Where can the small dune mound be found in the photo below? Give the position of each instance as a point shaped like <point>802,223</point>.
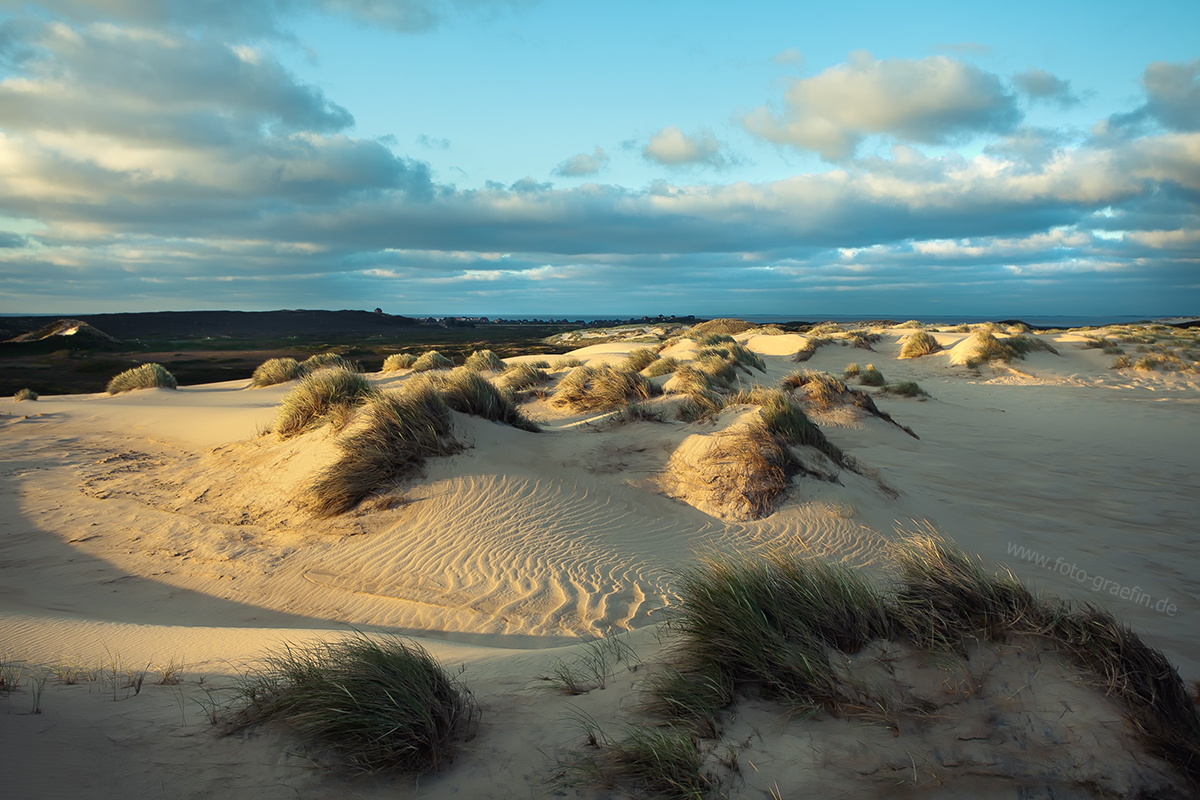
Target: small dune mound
<point>823,392</point>
<point>919,344</point>
<point>147,376</point>
<point>724,325</point>
<point>79,329</point>
<point>982,346</point>
<point>377,702</point>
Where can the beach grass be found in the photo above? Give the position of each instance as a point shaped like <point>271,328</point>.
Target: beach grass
<point>919,344</point>
<point>275,371</point>
<point>398,361</point>
<point>484,361</point>
<point>431,359</point>
<point>377,702</point>
<point>330,391</point>
<point>25,394</point>
<point>601,388</point>
<point>147,376</point>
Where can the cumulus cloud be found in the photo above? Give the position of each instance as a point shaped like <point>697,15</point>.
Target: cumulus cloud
<point>1037,84</point>
<point>931,100</point>
<point>583,164</point>
<point>673,148</point>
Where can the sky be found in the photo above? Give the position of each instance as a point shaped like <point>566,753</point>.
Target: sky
<point>568,158</point>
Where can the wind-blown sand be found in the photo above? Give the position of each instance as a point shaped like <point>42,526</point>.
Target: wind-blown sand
<point>158,526</point>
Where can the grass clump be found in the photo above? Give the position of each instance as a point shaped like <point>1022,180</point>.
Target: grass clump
<point>25,394</point>
<point>469,392</point>
<point>905,389</point>
<point>398,361</point>
<point>869,376</point>
<point>639,359</point>
<point>661,366</point>
<point>327,360</point>
<point>824,392</point>
<point>601,388</point>
<point>147,376</point>
<point>484,361</point>
<point>568,362</point>
<point>523,376</point>
<point>702,402</point>
<point>864,339</point>
<point>333,391</point>
<point>431,359</point>
<point>660,761</point>
<point>275,371</point>
<point>809,348</point>
<point>377,702</point>
<point>390,442</point>
<point>919,344</point>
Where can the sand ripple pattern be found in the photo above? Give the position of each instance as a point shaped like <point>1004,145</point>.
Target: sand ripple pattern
<point>531,556</point>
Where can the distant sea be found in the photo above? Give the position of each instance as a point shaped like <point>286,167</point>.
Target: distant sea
<point>1040,321</point>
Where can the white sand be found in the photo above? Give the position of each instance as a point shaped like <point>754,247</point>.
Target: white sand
<point>156,526</point>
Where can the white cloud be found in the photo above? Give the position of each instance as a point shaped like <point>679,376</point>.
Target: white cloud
<point>931,100</point>
<point>583,164</point>
<point>672,147</point>
<point>788,57</point>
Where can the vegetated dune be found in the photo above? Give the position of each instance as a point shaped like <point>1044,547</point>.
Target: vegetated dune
<point>160,533</point>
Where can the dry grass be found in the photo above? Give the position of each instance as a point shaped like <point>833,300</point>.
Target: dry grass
<point>469,392</point>
<point>824,392</point>
<point>147,376</point>
<point>809,348</point>
<point>326,360</point>
<point>905,389</point>
<point>327,392</point>
<point>919,344</point>
<point>566,363</point>
<point>661,366</point>
<point>398,361</point>
<point>869,376</point>
<point>25,394</point>
<point>639,359</point>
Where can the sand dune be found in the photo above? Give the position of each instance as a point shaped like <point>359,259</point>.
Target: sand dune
<point>159,525</point>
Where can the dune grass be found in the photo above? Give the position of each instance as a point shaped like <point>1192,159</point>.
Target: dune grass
<point>431,359</point>
<point>523,376</point>
<point>25,394</point>
<point>326,360</point>
<point>824,392</point>
<point>869,376</point>
<point>566,362</point>
<point>333,391</point>
<point>702,402</point>
<point>904,389</point>
<point>601,388</point>
<point>775,625</point>
<point>484,361</point>
<point>147,376</point>
<point>377,702</point>
<point>639,359</point>
<point>661,366</point>
<point>864,339</point>
<point>468,392</point>
<point>275,371</point>
<point>394,436</point>
<point>812,343</point>
<point>985,347</point>
<point>398,361</point>
<point>919,344</point>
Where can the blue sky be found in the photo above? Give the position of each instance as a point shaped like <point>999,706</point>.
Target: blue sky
<point>620,158</point>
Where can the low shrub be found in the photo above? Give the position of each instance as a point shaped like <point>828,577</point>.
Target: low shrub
<point>275,371</point>
<point>147,376</point>
<point>431,359</point>
<point>919,344</point>
<point>331,391</point>
<point>378,702</point>
<point>25,394</point>
<point>398,361</point>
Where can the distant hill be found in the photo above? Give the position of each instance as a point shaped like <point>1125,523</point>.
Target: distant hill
<point>78,329</point>
<point>244,324</point>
